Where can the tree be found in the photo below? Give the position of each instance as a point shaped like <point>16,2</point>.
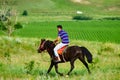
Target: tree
<point>8,18</point>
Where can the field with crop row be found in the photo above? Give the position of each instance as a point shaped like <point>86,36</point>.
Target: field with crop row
<point>91,30</point>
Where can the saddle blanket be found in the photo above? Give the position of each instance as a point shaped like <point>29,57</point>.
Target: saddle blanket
<point>60,51</point>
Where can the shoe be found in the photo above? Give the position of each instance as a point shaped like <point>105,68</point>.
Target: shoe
<point>57,59</point>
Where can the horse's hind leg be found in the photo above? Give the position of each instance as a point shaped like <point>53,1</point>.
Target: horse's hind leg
<point>72,66</point>
<point>84,62</point>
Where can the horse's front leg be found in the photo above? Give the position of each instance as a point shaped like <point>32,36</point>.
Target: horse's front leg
<point>50,67</point>
<point>56,69</point>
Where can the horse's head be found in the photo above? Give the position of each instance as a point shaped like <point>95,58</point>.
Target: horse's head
<point>46,45</point>
<point>42,46</point>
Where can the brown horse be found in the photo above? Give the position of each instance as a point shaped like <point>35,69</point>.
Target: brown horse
<point>70,54</point>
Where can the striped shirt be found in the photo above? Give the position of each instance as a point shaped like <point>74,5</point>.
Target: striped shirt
<point>64,36</point>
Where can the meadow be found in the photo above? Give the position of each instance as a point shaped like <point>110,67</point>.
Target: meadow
<point>67,7</point>
<point>19,60</point>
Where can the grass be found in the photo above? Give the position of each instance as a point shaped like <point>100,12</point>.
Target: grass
<point>60,10</point>
<point>23,51</point>
<point>57,8</point>
<point>91,30</point>
<point>102,7</point>
<point>19,59</point>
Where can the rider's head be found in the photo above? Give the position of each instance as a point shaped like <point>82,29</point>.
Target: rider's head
<point>59,27</point>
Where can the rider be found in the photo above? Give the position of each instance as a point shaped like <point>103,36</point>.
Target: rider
<point>64,41</point>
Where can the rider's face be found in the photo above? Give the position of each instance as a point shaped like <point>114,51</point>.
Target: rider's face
<point>59,29</point>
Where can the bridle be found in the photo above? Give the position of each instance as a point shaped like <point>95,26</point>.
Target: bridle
<point>42,45</point>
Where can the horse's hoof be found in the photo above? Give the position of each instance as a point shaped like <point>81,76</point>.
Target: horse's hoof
<point>89,72</point>
<point>61,74</point>
<point>67,76</point>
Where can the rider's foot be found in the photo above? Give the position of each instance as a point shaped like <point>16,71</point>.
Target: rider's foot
<point>57,59</point>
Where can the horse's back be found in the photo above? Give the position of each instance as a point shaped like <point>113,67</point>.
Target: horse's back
<point>71,51</point>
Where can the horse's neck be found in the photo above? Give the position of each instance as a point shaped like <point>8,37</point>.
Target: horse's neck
<point>51,53</point>
<point>50,49</point>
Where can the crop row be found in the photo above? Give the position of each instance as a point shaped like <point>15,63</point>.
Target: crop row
<point>78,30</point>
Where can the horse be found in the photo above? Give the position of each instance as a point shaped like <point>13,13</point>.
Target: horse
<point>70,54</point>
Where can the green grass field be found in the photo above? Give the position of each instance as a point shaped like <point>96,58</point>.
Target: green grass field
<point>66,8</point>
<point>17,55</point>
<point>19,59</point>
<point>92,30</point>
<point>88,7</point>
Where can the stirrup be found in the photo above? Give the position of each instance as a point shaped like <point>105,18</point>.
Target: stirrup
<point>57,59</point>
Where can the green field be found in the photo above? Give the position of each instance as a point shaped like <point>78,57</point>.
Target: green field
<point>92,30</point>
<point>55,9</point>
<point>50,7</point>
<point>17,55</point>
<point>19,59</point>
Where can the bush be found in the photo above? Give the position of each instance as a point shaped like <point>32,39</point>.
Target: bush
<point>18,26</point>
<point>2,26</point>
<point>25,13</point>
<point>7,56</point>
<point>3,18</point>
<point>112,18</point>
<point>82,17</point>
<point>29,67</point>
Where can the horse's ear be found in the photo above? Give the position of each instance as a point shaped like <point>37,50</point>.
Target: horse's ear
<point>42,40</point>
<point>48,40</point>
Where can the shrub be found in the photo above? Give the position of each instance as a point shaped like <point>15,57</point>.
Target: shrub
<point>25,13</point>
<point>82,17</point>
<point>7,56</point>
<point>29,67</point>
<point>7,22</point>
<point>112,18</point>
<point>2,26</point>
<point>3,18</point>
<point>8,28</point>
<point>18,25</point>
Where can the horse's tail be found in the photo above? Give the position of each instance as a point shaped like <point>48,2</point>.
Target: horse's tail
<point>87,54</point>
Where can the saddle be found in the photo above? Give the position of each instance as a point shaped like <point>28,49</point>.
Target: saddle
<point>61,50</point>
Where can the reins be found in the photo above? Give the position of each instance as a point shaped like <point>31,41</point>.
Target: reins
<point>43,44</point>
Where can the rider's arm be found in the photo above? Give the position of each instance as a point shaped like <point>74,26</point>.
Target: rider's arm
<point>57,39</point>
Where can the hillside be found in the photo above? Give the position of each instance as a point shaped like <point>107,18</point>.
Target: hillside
<point>88,7</point>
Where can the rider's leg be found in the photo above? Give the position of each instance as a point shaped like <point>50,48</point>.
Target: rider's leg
<point>57,58</point>
<point>60,45</point>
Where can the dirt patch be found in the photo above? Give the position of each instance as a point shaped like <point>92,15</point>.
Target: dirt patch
<point>81,1</point>
<point>78,1</point>
<point>112,8</point>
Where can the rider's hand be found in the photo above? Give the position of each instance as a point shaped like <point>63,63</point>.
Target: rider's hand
<point>55,41</point>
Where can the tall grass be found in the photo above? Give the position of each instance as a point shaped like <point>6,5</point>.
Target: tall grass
<point>23,57</point>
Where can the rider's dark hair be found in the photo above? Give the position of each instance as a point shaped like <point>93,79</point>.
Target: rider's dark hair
<point>59,26</point>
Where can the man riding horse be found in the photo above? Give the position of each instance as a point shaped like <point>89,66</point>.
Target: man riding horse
<point>64,42</point>
<point>71,53</point>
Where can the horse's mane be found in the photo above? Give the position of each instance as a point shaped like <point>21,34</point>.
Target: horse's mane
<point>49,44</point>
